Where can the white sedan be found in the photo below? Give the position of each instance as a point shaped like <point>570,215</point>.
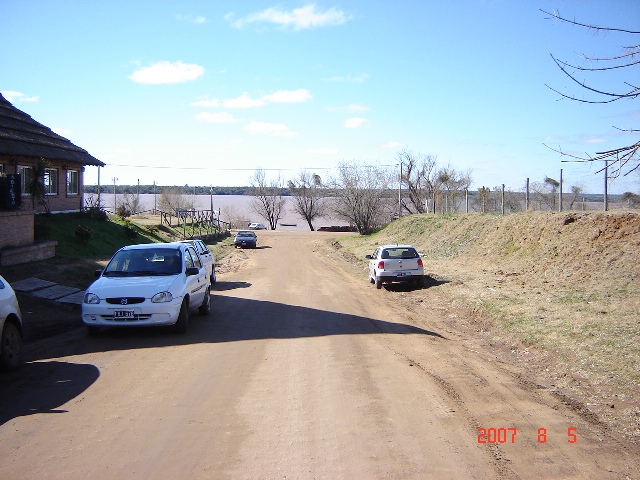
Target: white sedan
<point>395,263</point>
<point>148,285</point>
<point>10,328</point>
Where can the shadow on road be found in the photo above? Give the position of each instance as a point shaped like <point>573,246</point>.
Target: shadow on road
<point>42,387</point>
<point>223,286</point>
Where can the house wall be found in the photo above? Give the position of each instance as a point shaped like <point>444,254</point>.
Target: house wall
<point>59,201</point>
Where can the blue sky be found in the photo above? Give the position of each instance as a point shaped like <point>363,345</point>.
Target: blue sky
<point>204,92</point>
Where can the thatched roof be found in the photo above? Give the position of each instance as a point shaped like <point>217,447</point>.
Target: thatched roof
<point>22,135</point>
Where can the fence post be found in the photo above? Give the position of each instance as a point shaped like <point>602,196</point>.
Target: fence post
<point>526,196</point>
<point>502,208</point>
<point>560,193</point>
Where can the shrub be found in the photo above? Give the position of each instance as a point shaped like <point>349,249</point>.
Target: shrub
<point>84,233</point>
<point>129,231</point>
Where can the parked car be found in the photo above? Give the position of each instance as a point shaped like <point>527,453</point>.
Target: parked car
<point>206,256</point>
<point>245,238</point>
<point>257,226</point>
<point>395,263</point>
<point>10,328</point>
<point>148,285</point>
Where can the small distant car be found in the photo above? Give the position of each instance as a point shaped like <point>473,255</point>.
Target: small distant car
<point>395,263</point>
<point>148,285</point>
<point>10,328</point>
<point>257,226</point>
<point>245,239</point>
<point>206,256</point>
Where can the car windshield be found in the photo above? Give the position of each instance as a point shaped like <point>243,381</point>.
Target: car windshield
<point>400,252</point>
<point>245,234</point>
<point>144,263</point>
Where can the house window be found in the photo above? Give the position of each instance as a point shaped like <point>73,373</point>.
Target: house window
<point>50,181</point>
<point>26,176</point>
<point>73,182</point>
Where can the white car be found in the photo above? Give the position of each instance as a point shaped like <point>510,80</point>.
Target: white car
<point>257,226</point>
<point>206,256</point>
<point>148,285</point>
<point>395,263</point>
<point>10,328</point>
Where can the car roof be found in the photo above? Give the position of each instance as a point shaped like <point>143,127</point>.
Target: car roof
<point>398,246</point>
<point>146,246</point>
<point>246,232</point>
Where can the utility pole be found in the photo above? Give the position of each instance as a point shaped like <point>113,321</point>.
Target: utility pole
<point>400,193</point>
<point>114,194</point>
<point>560,193</point>
<point>606,185</point>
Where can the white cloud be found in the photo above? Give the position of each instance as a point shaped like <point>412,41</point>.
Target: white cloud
<point>246,101</point>
<point>243,101</point>
<point>391,145</point>
<point>356,122</point>
<point>288,96</point>
<point>218,117</point>
<point>13,96</point>
<point>594,140</point>
<point>296,19</point>
<point>164,72</point>
<point>349,78</point>
<point>61,131</point>
<point>273,129</point>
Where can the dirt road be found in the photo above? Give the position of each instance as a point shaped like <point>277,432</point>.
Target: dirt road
<point>301,371</point>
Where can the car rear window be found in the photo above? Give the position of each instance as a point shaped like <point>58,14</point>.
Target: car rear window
<point>400,253</point>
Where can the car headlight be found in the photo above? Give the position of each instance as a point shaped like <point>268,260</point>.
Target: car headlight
<point>91,298</point>
<point>162,297</point>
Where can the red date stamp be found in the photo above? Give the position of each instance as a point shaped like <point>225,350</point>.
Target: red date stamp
<point>508,435</point>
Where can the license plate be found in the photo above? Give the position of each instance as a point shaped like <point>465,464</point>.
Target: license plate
<point>123,314</point>
<point>400,274</point>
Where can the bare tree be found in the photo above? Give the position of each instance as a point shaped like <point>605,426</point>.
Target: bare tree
<point>361,196</point>
<point>452,183</point>
<point>268,199</point>
<point>172,199</point>
<point>545,192</point>
<point>308,197</point>
<point>627,157</point>
<point>576,191</point>
<point>418,174</point>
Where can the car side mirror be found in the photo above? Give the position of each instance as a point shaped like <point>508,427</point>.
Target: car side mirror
<point>369,257</point>
<point>192,271</point>
<point>97,273</point>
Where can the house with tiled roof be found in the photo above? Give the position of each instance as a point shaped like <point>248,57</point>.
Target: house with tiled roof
<point>27,146</point>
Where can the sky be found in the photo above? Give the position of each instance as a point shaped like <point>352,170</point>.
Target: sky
<point>206,92</point>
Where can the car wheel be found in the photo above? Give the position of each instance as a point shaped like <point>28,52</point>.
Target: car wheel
<point>183,318</point>
<point>378,283</point>
<point>11,356</point>
<point>205,308</point>
<point>93,330</point>
<point>371,280</point>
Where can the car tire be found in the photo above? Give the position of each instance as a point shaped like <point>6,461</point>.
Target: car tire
<point>93,330</point>
<point>183,318</point>
<point>205,308</point>
<point>378,283</point>
<point>11,356</point>
<point>371,280</point>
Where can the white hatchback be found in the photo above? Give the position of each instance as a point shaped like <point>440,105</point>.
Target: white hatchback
<point>148,285</point>
<point>10,328</point>
<point>395,263</point>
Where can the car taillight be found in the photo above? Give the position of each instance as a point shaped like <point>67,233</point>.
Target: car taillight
<point>420,262</point>
<point>381,265</point>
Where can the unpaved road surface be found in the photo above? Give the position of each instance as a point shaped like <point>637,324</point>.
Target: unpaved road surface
<point>302,371</point>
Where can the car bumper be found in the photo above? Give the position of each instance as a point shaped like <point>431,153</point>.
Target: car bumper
<point>405,276</point>
<point>245,244</point>
<point>143,314</point>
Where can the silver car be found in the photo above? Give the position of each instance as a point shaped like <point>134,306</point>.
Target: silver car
<point>395,263</point>
<point>10,328</point>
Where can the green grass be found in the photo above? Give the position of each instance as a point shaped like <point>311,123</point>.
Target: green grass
<point>108,235</point>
